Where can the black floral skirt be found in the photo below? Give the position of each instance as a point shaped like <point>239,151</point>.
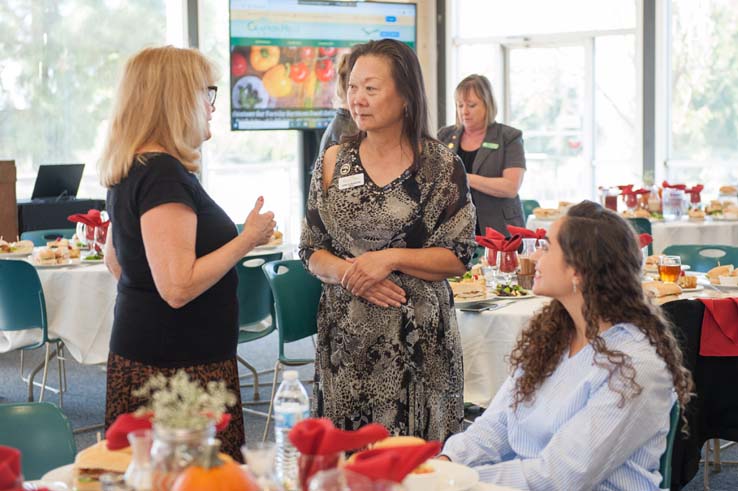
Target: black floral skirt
<point>124,376</point>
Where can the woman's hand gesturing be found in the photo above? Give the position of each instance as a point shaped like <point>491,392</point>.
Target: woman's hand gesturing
<point>258,226</point>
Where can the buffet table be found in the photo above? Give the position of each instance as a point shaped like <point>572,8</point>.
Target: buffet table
<point>677,232</point>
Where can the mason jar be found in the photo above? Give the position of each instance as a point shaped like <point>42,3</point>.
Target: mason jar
<point>174,450</point>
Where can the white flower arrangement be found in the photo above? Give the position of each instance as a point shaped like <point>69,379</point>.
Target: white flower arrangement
<point>181,403</point>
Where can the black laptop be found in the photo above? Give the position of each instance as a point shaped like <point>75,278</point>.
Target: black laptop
<point>57,182</point>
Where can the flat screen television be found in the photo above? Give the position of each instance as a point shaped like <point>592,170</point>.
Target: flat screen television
<point>284,53</point>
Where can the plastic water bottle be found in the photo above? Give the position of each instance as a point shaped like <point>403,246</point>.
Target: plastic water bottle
<point>291,405</point>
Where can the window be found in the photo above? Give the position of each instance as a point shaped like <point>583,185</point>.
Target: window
<point>704,95</point>
<point>239,166</point>
<point>569,81</point>
<point>60,61</point>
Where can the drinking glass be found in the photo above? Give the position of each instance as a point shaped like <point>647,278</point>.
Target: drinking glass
<point>260,457</point>
<point>507,262</point>
<point>670,267</point>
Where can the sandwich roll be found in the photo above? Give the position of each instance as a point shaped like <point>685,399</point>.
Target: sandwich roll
<point>718,271</point>
<point>657,289</point>
<point>96,460</point>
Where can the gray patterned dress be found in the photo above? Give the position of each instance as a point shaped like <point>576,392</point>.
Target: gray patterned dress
<point>401,367</point>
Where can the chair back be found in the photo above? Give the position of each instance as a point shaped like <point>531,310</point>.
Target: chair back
<point>41,432</point>
<point>296,298</point>
<point>255,300</point>
<point>704,257</point>
<point>22,303</point>
<point>665,465</point>
<point>643,226</point>
<point>41,237</point>
<point>528,206</point>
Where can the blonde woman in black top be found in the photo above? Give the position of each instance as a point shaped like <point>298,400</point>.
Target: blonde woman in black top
<point>171,247</point>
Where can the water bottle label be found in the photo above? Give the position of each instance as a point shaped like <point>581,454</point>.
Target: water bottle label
<point>290,419</point>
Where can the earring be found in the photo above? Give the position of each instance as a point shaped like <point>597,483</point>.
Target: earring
<point>405,111</point>
<point>574,286</point>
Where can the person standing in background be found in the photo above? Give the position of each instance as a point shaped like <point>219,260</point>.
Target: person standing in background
<point>172,249</point>
<point>342,123</point>
<point>493,155</point>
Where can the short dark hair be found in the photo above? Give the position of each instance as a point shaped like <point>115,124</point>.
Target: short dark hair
<point>408,78</point>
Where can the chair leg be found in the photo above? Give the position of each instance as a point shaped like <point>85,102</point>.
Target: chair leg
<point>251,368</point>
<point>59,366</point>
<point>706,473</point>
<point>63,363</point>
<point>277,368</point>
<point>716,459</point>
<point>46,373</point>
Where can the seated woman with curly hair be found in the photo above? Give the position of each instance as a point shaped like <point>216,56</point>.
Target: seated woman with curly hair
<point>594,375</point>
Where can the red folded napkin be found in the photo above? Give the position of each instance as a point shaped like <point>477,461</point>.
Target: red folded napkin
<point>10,469</point>
<point>318,436</point>
<point>675,186</point>
<point>490,234</point>
<point>394,463</point>
<point>117,435</point>
<point>644,240</point>
<point>719,336</point>
<point>91,218</point>
<point>508,244</point>
<point>539,233</point>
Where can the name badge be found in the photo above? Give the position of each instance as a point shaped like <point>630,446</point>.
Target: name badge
<point>351,181</point>
<point>492,145</point>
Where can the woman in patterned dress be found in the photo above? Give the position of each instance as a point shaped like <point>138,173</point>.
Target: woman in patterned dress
<point>389,218</point>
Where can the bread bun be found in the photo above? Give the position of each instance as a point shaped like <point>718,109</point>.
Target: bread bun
<point>471,289</point>
<point>641,213</point>
<point>688,281</point>
<point>718,271</point>
<point>696,214</point>
<point>658,289</point>
<point>92,462</point>
<point>276,239</point>
<point>729,190</point>
<point>542,213</point>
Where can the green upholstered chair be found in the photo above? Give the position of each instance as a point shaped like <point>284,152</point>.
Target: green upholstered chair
<point>643,226</point>
<point>704,257</point>
<point>255,305</point>
<point>296,298</point>
<point>528,206</point>
<point>23,308</point>
<point>41,432</point>
<point>41,237</point>
<point>665,466</point>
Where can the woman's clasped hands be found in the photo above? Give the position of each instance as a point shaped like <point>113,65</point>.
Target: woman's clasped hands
<point>367,277</point>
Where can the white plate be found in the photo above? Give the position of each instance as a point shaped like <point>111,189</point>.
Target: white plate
<point>63,474</point>
<point>14,254</point>
<point>500,297</point>
<point>55,266</point>
<point>726,287</point>
<point>695,289</point>
<point>249,82</point>
<point>92,261</point>
<point>451,477</point>
<point>724,219</point>
<point>51,485</point>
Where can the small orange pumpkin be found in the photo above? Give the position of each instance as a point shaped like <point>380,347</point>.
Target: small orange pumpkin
<point>215,474</point>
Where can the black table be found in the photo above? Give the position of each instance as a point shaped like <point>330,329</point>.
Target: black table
<point>42,215</point>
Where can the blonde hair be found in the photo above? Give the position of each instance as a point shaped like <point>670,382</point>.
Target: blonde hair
<point>160,100</point>
<point>480,86</point>
<point>343,71</point>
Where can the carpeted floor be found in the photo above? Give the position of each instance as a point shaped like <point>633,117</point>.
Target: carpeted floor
<point>85,400</point>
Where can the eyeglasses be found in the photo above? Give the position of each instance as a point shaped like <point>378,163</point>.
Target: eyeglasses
<point>212,94</point>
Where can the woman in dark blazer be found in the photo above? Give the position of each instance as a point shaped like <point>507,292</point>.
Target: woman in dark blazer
<point>492,153</point>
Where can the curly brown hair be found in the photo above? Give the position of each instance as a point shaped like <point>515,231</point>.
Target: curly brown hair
<point>603,249</point>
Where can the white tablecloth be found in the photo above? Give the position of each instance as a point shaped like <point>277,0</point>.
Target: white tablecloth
<point>679,232</point>
<point>486,340</point>
<point>79,305</point>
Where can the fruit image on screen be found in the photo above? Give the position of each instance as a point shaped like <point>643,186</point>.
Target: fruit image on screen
<point>284,55</point>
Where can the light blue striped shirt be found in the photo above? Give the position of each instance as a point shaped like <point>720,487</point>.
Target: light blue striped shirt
<point>573,436</point>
